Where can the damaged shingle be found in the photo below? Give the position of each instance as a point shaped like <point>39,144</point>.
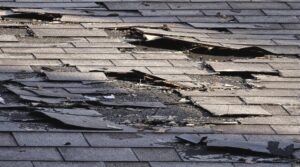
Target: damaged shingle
<point>78,119</point>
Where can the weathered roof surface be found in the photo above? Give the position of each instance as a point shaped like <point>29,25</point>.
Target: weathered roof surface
<point>62,106</point>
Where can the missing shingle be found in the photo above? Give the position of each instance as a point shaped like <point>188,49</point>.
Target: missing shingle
<point>33,16</point>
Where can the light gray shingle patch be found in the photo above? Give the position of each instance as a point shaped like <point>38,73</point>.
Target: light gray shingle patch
<point>16,164</point>
<point>232,12</point>
<point>240,67</point>
<point>50,139</point>
<point>157,56</point>
<point>287,42</point>
<point>189,164</point>
<point>142,63</point>
<point>80,121</point>
<point>128,139</point>
<point>171,12</point>
<point>253,37</point>
<point>293,110</point>
<point>29,153</point>
<point>91,50</point>
<point>128,25</point>
<point>162,19</point>
<point>8,38</point>
<point>198,6</point>
<point>15,69</point>
<point>245,42</point>
<point>286,50</point>
<point>274,120</point>
<point>290,73</point>
<point>32,50</point>
<point>127,164</point>
<point>53,92</point>
<point>235,25</point>
<point>34,45</point>
<point>15,56</point>
<point>136,5</point>
<point>294,5</point>
<point>98,154</point>
<point>177,70</point>
<point>48,5</point>
<point>75,76</point>
<point>89,19</point>
<point>282,12</point>
<point>216,100</point>
<point>91,56</point>
<point>103,45</point>
<point>114,13</point>
<point>6,139</point>
<point>244,129</point>
<point>260,5</point>
<point>27,62</point>
<point>223,110</point>
<point>111,69</point>
<point>276,85</point>
<point>269,60</point>
<point>206,19</point>
<point>87,62</point>
<point>69,164</point>
<point>272,100</point>
<point>268,31</point>
<point>69,33</point>
<point>156,154</point>
<point>51,11</point>
<point>267,19</point>
<point>286,129</point>
<point>285,66</point>
<point>263,165</point>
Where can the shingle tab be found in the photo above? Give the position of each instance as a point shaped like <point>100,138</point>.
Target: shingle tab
<point>50,139</point>
<point>69,33</point>
<point>29,153</point>
<point>156,154</point>
<point>98,154</point>
<point>69,164</point>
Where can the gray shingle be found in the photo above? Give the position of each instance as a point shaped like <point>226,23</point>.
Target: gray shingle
<point>198,6</point>
<point>69,33</point>
<point>29,153</point>
<point>128,140</point>
<point>135,5</point>
<point>50,139</point>
<point>75,76</point>
<point>98,154</point>
<point>259,5</point>
<point>189,164</point>
<point>6,139</point>
<point>156,154</point>
<point>69,164</point>
<point>16,164</point>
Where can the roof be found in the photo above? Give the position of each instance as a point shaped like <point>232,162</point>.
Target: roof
<point>149,83</point>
